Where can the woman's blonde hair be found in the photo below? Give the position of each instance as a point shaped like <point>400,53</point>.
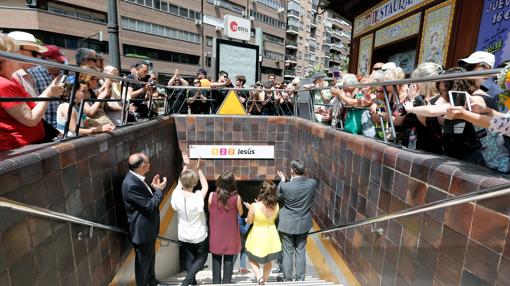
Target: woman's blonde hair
<point>188,178</point>
<point>425,70</point>
<point>8,44</point>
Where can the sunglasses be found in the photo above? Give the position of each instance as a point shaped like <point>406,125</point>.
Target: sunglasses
<point>33,53</point>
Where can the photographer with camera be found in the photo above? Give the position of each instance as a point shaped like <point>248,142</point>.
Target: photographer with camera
<point>137,108</point>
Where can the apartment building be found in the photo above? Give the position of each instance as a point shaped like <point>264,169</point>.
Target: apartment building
<point>315,40</point>
<point>170,33</point>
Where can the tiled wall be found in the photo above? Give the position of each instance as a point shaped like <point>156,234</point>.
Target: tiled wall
<point>241,130</point>
<point>358,178</point>
<point>81,177</point>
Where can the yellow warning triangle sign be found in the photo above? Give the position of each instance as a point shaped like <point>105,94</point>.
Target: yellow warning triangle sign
<point>231,105</point>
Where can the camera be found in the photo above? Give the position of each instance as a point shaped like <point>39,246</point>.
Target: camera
<point>419,100</point>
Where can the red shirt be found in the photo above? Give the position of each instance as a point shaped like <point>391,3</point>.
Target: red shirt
<point>13,134</point>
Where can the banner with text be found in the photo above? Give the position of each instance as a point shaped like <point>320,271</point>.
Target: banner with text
<point>494,35</point>
<point>231,152</point>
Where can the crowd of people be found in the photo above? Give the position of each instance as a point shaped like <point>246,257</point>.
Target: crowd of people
<point>419,115</point>
<point>459,118</point>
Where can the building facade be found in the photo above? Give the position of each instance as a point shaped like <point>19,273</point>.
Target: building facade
<point>172,34</point>
<point>316,40</point>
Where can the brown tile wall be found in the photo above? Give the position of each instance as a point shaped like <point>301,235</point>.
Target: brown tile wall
<point>81,177</point>
<point>359,178</point>
<point>248,130</point>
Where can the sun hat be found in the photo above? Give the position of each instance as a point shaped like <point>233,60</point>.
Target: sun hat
<point>479,57</point>
<point>27,41</point>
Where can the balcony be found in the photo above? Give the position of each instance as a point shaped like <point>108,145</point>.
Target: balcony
<point>291,45</point>
<point>337,46</point>
<point>290,59</point>
<point>289,73</point>
<point>335,59</point>
<point>292,29</point>
<point>293,13</point>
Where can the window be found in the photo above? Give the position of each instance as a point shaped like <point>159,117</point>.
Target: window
<point>183,12</point>
<point>154,54</point>
<point>158,30</point>
<point>172,9</point>
<point>76,13</point>
<point>166,7</point>
<point>209,41</point>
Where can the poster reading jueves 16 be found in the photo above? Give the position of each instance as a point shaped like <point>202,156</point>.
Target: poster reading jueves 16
<point>494,32</point>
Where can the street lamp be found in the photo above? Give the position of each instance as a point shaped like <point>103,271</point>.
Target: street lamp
<point>98,34</point>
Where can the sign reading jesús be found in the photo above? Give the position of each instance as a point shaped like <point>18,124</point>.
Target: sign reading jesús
<point>231,152</point>
<point>237,28</point>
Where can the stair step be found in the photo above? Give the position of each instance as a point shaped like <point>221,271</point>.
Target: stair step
<point>205,277</point>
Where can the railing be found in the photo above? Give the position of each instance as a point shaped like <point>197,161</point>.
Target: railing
<point>178,97</point>
<point>38,211</point>
<point>441,204</point>
<point>291,43</point>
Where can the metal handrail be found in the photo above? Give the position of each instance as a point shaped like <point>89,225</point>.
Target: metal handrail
<point>453,76</point>
<point>47,213</point>
<point>448,202</point>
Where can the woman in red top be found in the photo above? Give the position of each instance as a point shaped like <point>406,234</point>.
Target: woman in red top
<point>224,239</point>
<point>20,122</point>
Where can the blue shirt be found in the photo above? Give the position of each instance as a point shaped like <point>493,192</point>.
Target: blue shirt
<point>42,80</point>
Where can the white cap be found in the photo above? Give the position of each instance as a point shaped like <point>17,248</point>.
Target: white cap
<point>296,81</point>
<point>28,41</point>
<point>388,65</point>
<point>479,57</point>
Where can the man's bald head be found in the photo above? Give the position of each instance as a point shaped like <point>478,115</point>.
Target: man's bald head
<point>136,160</point>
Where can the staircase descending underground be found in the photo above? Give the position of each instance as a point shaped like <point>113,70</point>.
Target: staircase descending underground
<point>205,278</point>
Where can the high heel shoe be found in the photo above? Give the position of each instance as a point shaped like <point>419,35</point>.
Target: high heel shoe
<point>261,281</point>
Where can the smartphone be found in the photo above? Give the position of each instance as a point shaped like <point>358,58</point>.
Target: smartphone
<point>459,98</point>
<point>63,79</point>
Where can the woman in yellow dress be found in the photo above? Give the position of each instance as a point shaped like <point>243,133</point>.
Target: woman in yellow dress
<point>263,243</point>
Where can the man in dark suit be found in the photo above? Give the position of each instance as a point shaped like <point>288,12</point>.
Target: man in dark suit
<point>295,219</point>
<point>142,206</point>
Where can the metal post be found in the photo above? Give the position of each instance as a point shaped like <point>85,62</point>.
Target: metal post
<point>71,103</point>
<point>202,56</point>
<point>113,34</point>
<point>80,114</point>
<point>390,114</point>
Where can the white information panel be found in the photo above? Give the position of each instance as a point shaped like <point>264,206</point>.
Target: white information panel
<point>238,59</point>
<point>231,151</point>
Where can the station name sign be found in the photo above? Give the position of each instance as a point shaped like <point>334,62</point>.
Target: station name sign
<point>383,13</point>
<point>231,151</point>
<point>237,28</point>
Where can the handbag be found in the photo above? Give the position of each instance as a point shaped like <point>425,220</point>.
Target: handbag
<point>50,132</point>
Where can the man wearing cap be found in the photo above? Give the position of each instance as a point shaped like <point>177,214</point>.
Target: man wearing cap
<point>479,61</point>
<point>44,76</point>
<point>30,48</point>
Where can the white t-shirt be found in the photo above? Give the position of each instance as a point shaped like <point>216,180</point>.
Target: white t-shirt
<point>192,227</point>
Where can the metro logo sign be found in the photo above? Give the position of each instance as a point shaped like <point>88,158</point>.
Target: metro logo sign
<point>238,28</point>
